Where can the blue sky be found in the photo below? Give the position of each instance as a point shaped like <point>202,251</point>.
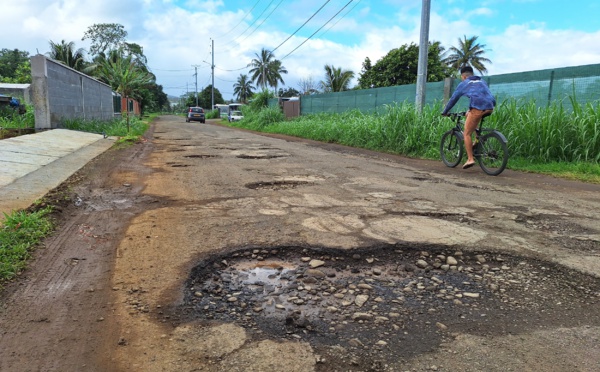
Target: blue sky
<point>519,35</point>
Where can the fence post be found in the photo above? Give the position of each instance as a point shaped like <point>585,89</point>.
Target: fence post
<point>447,88</point>
<point>550,87</point>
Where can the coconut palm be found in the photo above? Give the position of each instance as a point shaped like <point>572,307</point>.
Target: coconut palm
<point>66,54</point>
<point>124,75</point>
<point>243,88</point>
<point>266,70</point>
<point>468,53</point>
<point>336,79</point>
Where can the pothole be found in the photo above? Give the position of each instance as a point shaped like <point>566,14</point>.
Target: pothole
<point>276,185</point>
<point>554,224</point>
<point>260,156</point>
<point>388,302</point>
<point>201,156</point>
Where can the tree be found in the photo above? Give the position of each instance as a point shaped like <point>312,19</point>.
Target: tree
<point>468,53</point>
<point>308,86</point>
<point>336,80</point>
<point>204,98</point>
<point>104,37</point>
<point>266,70</point>
<point>243,88</point>
<point>14,66</point>
<point>66,54</point>
<point>400,65</point>
<point>289,92</point>
<point>125,77</point>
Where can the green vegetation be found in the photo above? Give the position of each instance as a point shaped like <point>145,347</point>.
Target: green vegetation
<point>550,140</point>
<point>213,114</point>
<point>116,128</point>
<point>19,234</point>
<point>11,119</point>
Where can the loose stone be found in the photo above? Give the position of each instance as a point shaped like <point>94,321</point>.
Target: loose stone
<point>316,263</point>
<point>360,300</point>
<point>315,273</point>
<point>422,264</point>
<point>361,316</point>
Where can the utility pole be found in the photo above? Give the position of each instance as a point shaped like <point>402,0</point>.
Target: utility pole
<point>196,75</point>
<point>423,53</point>
<point>212,88</point>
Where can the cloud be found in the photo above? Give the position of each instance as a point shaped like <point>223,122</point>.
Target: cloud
<point>529,47</point>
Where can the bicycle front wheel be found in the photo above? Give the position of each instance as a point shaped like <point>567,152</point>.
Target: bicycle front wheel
<point>492,154</point>
<point>451,149</point>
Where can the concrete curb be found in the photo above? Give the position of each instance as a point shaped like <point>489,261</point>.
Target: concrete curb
<point>32,165</point>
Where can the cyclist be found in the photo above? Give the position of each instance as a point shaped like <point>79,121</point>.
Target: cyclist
<point>482,103</point>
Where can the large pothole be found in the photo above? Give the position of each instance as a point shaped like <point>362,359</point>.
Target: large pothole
<point>387,302</point>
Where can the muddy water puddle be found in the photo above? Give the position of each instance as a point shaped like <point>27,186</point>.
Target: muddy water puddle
<point>386,302</point>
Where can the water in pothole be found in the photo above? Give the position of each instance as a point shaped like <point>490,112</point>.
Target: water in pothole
<point>393,301</point>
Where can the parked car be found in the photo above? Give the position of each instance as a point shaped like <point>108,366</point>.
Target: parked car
<point>235,116</point>
<point>195,114</point>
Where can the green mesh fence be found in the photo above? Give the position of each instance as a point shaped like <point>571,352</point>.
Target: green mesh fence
<point>580,84</point>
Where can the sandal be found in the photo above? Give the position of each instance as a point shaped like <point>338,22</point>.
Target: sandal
<point>468,165</point>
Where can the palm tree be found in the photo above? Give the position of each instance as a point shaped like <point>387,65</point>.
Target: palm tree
<point>124,75</point>
<point>66,54</point>
<point>336,80</point>
<point>243,88</point>
<point>468,53</point>
<point>266,70</point>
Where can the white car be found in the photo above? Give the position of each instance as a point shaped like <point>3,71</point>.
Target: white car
<point>235,116</point>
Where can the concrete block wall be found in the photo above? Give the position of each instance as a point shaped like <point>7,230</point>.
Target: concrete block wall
<point>60,93</point>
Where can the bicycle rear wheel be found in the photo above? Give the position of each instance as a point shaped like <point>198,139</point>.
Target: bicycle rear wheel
<point>492,154</point>
<point>451,149</point>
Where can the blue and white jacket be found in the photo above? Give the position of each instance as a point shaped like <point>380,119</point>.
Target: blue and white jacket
<point>477,91</point>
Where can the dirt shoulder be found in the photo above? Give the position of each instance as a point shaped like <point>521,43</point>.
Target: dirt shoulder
<point>457,270</point>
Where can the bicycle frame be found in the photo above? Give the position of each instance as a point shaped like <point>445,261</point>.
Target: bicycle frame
<point>479,131</point>
<point>490,147</point>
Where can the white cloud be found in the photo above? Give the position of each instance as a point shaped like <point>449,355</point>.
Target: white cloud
<point>534,47</point>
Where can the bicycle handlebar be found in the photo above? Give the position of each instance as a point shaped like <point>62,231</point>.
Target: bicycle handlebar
<point>455,115</point>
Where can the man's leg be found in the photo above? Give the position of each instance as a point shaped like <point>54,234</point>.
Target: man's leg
<point>473,118</point>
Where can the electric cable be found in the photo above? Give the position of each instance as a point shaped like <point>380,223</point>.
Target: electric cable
<point>308,38</point>
<point>244,17</point>
<point>311,17</point>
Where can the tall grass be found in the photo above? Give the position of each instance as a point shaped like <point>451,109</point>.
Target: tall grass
<point>10,119</point>
<point>535,135</point>
<point>550,134</point>
<point>116,127</point>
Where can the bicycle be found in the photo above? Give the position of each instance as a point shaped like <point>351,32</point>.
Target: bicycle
<point>490,146</point>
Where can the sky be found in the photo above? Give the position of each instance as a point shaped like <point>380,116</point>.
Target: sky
<point>177,36</point>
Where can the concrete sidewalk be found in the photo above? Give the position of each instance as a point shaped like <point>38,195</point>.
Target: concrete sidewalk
<point>34,164</point>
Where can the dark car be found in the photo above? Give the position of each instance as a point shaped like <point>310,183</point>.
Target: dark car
<point>195,114</point>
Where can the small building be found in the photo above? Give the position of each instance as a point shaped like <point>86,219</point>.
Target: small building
<point>20,91</point>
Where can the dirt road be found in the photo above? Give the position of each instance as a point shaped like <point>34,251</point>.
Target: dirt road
<point>206,248</point>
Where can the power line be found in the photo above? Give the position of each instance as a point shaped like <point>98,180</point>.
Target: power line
<point>158,69</point>
<point>308,38</point>
<point>311,17</point>
<point>264,20</point>
<point>342,17</point>
<point>256,28</point>
<point>244,17</point>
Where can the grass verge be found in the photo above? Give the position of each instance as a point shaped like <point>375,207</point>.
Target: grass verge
<point>20,232</point>
<point>547,140</point>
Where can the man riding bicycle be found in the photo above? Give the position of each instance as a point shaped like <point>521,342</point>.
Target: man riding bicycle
<point>482,103</point>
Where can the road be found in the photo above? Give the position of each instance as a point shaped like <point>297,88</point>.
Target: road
<point>209,248</point>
